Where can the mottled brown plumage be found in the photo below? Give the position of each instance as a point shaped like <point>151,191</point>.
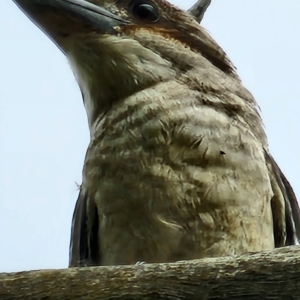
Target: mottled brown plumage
<point>178,166</point>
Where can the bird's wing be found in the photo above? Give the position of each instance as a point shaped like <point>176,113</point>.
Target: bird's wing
<point>84,233</point>
<point>285,208</point>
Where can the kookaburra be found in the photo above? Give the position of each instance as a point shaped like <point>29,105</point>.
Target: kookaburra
<point>178,165</point>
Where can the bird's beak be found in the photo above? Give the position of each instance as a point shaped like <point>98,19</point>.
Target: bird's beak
<point>62,18</point>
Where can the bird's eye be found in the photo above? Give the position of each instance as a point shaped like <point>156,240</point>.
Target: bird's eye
<point>144,12</point>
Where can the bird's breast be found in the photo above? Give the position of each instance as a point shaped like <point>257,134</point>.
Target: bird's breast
<point>173,180</point>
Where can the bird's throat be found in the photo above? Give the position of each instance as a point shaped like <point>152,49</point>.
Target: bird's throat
<point>107,74</point>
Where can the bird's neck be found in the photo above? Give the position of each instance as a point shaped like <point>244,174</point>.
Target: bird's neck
<point>107,74</point>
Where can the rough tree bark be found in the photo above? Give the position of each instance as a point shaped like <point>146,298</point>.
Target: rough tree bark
<point>265,275</point>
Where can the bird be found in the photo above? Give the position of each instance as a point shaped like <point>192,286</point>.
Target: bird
<point>178,165</point>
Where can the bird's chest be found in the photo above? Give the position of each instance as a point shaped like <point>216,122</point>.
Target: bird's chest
<point>160,175</point>
<point>133,186</point>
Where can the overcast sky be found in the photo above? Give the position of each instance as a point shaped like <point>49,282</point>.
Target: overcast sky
<point>43,126</point>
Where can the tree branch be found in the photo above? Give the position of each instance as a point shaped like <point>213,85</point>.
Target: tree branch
<point>265,275</point>
<point>198,9</point>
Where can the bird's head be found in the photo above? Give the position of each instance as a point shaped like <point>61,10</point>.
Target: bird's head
<point>119,47</point>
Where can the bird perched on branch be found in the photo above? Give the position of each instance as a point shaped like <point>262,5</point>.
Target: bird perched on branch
<point>178,165</point>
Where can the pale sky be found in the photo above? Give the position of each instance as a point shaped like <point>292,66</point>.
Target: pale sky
<point>43,126</point>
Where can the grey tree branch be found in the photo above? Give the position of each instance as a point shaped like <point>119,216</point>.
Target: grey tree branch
<point>265,275</point>
<point>198,9</point>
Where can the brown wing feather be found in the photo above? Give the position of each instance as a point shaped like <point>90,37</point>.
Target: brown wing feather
<point>285,208</point>
<point>293,203</point>
<point>84,233</point>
